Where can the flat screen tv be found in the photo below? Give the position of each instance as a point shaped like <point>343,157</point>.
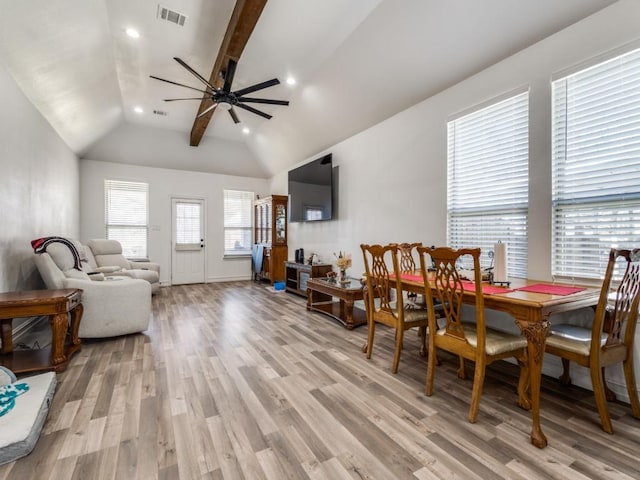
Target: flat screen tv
<point>311,191</point>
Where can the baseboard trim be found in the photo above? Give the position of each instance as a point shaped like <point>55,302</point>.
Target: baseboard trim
<point>236,278</point>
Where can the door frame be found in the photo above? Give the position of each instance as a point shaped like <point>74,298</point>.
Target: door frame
<point>188,198</point>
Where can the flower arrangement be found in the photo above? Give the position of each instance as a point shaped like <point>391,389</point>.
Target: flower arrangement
<point>343,260</point>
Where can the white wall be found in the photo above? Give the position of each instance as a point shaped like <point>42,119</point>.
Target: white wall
<point>38,186</point>
<point>392,184</point>
<point>164,184</point>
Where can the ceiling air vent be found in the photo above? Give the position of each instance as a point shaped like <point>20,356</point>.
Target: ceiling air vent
<point>162,113</point>
<point>171,16</point>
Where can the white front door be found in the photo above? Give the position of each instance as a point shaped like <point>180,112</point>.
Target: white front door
<point>188,241</point>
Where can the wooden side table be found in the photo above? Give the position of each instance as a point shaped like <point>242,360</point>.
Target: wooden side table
<point>342,310</point>
<point>57,304</point>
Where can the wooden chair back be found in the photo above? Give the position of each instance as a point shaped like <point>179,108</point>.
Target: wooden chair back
<point>380,283</point>
<point>406,253</point>
<point>617,310</point>
<point>450,291</point>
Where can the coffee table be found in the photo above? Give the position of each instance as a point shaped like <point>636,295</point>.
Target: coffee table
<point>320,294</point>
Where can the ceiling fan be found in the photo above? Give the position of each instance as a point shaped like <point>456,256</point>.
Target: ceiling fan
<point>224,97</point>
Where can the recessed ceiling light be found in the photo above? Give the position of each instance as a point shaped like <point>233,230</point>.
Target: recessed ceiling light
<point>133,33</point>
<point>291,81</point>
<point>246,131</point>
<point>138,110</point>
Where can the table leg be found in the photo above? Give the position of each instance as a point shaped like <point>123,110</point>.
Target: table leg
<point>76,316</point>
<point>59,326</point>
<point>6,326</point>
<point>536,333</point>
<point>348,310</point>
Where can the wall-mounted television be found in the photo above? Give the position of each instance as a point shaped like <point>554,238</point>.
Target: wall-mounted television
<point>311,191</point>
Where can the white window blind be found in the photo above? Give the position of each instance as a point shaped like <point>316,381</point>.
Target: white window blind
<point>238,207</point>
<point>125,206</point>
<point>596,165</point>
<point>488,170</point>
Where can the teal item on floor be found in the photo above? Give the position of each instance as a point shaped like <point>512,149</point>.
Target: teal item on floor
<point>8,394</point>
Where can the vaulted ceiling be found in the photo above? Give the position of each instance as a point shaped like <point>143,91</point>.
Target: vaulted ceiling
<point>356,63</point>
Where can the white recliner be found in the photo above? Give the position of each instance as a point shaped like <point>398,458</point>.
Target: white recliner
<point>108,258</point>
<point>112,306</point>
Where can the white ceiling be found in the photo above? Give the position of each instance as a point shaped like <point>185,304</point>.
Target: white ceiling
<point>356,62</point>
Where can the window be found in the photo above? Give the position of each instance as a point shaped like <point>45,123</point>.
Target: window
<point>596,165</point>
<point>238,206</point>
<point>487,184</point>
<point>188,226</point>
<point>125,210</point>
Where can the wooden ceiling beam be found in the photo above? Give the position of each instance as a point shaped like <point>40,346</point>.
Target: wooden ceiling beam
<point>243,20</point>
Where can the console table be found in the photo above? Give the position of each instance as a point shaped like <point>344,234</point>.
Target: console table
<point>342,310</point>
<point>298,274</point>
<point>57,304</point>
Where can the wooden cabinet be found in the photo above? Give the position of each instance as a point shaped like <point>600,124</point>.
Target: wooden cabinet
<point>270,230</point>
<point>297,275</point>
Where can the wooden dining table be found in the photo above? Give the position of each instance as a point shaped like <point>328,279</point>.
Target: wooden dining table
<point>531,311</point>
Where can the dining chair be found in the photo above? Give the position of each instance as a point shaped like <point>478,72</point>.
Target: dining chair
<point>408,265</point>
<point>464,333</point>
<point>610,338</point>
<point>379,304</point>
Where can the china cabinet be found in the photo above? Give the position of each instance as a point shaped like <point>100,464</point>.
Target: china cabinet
<point>270,231</point>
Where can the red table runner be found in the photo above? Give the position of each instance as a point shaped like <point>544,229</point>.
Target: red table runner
<point>486,289</point>
<point>551,289</point>
<point>408,276</point>
<point>469,286</point>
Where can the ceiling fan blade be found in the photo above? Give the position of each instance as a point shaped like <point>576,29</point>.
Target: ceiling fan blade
<point>179,84</point>
<point>176,99</point>
<point>195,74</point>
<point>253,110</point>
<point>256,87</point>
<point>263,100</point>
<point>234,116</point>
<point>206,110</point>
<point>229,74</point>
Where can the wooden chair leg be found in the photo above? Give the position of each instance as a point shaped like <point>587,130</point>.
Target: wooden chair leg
<point>478,383</point>
<point>398,350</point>
<point>432,359</point>
<point>371,333</point>
<point>608,393</point>
<point>422,331</point>
<point>565,378</point>
<point>462,374</point>
<point>630,380</point>
<point>601,400</point>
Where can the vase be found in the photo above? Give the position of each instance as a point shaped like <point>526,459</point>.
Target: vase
<point>343,277</point>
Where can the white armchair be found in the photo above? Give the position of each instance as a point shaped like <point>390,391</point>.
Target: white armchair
<point>114,306</point>
<point>107,257</point>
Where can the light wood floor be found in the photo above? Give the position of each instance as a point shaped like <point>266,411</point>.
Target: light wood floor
<point>235,381</point>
